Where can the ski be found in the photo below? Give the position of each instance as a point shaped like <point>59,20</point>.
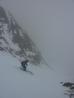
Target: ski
<point>27,71</point>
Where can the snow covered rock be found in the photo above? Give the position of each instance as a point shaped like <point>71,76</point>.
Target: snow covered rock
<point>14,40</point>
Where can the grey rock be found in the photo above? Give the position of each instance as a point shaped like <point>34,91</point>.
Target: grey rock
<point>15,40</point>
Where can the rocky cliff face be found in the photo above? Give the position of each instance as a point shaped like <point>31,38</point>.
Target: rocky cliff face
<point>14,40</point>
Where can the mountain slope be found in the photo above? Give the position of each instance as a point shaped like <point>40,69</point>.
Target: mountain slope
<point>14,40</point>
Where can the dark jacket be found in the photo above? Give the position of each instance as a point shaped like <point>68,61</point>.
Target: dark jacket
<point>24,64</point>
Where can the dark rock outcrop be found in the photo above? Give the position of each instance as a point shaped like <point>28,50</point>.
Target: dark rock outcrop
<point>14,40</point>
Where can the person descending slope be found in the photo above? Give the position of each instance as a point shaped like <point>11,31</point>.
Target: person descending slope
<point>24,64</point>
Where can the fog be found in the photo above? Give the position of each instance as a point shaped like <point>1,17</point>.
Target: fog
<point>50,24</point>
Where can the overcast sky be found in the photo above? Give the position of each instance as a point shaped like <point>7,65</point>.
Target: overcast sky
<point>50,23</point>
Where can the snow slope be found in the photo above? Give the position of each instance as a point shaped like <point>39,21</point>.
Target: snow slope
<point>50,23</point>
<point>18,84</point>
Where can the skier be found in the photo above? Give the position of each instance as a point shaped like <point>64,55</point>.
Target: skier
<point>24,64</point>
